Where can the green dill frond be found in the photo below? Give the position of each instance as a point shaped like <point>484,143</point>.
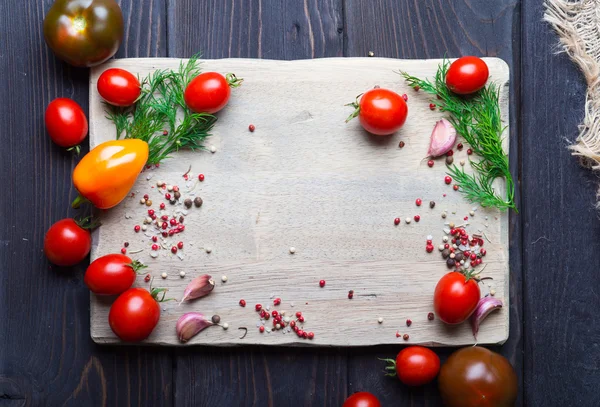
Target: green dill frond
<point>157,110</point>
<point>477,118</point>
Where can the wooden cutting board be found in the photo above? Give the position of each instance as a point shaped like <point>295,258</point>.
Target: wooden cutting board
<point>305,179</point>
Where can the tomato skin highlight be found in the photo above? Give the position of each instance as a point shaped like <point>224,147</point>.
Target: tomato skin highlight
<point>119,87</point>
<point>107,173</point>
<point>362,399</point>
<point>207,93</point>
<point>417,366</point>
<point>382,112</point>
<point>477,377</point>
<point>65,122</point>
<point>134,315</point>
<point>467,75</point>
<point>455,299</point>
<point>66,243</point>
<point>110,275</point>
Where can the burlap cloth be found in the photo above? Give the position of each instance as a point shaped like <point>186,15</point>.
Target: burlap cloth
<point>578,26</point>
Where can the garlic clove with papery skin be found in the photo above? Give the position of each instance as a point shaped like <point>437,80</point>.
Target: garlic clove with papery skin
<point>190,324</point>
<point>198,287</point>
<point>484,307</point>
<point>442,138</point>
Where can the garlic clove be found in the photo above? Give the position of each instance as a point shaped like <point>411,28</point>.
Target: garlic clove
<point>442,138</point>
<point>190,324</point>
<point>484,307</point>
<point>198,287</point>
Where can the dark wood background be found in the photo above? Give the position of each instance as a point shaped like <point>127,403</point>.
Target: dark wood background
<point>46,355</point>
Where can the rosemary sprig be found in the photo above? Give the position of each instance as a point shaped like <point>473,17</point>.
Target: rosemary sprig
<point>158,108</point>
<point>477,119</point>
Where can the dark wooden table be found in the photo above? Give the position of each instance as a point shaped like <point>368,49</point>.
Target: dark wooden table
<point>46,355</point>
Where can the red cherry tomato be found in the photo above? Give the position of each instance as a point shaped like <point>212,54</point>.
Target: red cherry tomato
<point>111,274</point>
<point>467,75</point>
<point>119,87</point>
<point>456,297</point>
<point>134,315</point>
<point>209,92</point>
<point>66,243</point>
<point>381,111</point>
<point>362,399</point>
<point>66,122</point>
<point>416,365</point>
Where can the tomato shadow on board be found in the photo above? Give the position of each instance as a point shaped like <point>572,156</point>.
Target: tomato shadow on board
<point>380,141</point>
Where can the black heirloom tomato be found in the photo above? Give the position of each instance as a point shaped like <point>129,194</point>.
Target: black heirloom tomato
<point>84,32</point>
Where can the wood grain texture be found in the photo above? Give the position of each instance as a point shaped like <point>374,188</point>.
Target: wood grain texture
<point>432,28</point>
<point>47,357</point>
<point>255,28</point>
<point>560,240</point>
<point>320,185</point>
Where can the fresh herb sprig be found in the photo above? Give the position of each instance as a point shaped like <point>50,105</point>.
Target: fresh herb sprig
<point>477,119</point>
<point>158,108</point>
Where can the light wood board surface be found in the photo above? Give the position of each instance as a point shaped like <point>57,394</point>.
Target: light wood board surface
<point>306,179</point>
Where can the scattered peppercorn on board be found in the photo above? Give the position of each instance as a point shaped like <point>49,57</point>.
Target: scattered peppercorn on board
<point>306,197</point>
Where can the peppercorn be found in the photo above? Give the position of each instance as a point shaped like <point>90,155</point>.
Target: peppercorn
<point>449,160</point>
<point>450,263</point>
<point>181,219</point>
<point>350,294</point>
<point>432,204</point>
<point>177,194</point>
<point>408,322</point>
<point>188,203</point>
<point>198,202</point>
<point>149,202</point>
<point>216,319</point>
<point>445,253</point>
<point>405,337</point>
<point>430,316</point>
<point>401,144</point>
<point>458,256</point>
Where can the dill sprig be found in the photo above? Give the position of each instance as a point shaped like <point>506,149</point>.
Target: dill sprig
<point>158,108</point>
<point>478,120</point>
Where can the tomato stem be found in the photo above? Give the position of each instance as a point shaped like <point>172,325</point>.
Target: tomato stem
<point>233,81</point>
<point>390,367</point>
<point>88,223</point>
<point>356,107</point>
<point>76,148</point>
<point>137,265</point>
<point>78,201</point>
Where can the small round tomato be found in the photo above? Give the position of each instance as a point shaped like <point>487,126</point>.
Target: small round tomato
<point>380,111</point>
<point>477,377</point>
<point>362,399</point>
<point>119,87</point>
<point>67,243</point>
<point>66,122</point>
<point>209,92</point>
<point>134,314</point>
<point>456,297</point>
<point>467,75</point>
<point>415,365</point>
<point>111,274</point>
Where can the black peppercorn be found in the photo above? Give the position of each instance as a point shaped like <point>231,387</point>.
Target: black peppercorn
<point>432,204</point>
<point>188,203</point>
<point>177,194</point>
<point>216,319</point>
<point>198,202</point>
<point>445,253</point>
<point>450,263</point>
<point>449,160</point>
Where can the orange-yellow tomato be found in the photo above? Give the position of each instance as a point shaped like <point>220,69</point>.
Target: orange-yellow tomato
<point>106,174</point>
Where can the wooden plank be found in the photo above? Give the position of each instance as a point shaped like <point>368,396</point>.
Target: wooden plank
<point>560,241</point>
<point>333,197</point>
<point>430,29</point>
<point>47,356</point>
<point>255,28</point>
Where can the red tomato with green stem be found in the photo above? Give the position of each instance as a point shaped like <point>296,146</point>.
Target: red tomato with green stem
<point>68,242</point>
<point>362,399</point>
<point>209,92</point>
<point>414,366</point>
<point>467,75</point>
<point>112,274</point>
<point>135,313</point>
<point>456,296</point>
<point>380,111</point>
<point>119,87</point>
<point>66,122</point>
